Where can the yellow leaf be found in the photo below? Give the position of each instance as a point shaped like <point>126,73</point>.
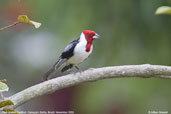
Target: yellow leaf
<point>163,10</point>
<point>9,111</point>
<point>6,103</point>
<point>36,24</point>
<point>25,19</point>
<point>3,87</point>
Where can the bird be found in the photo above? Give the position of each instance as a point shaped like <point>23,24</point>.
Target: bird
<point>74,53</point>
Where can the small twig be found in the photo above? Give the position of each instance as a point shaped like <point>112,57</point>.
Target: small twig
<point>1,96</point>
<point>9,26</point>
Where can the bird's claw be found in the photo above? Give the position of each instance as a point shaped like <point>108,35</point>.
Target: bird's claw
<point>79,71</point>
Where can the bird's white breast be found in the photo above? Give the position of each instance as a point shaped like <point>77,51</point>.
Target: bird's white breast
<point>80,53</point>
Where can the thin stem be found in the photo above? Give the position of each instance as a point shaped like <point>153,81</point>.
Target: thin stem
<point>1,96</point>
<point>6,27</point>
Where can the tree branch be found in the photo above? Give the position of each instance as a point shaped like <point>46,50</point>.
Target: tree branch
<point>93,74</point>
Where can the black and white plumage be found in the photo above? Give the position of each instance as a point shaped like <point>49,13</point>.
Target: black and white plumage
<point>74,53</point>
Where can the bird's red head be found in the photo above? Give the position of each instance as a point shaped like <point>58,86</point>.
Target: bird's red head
<point>90,36</point>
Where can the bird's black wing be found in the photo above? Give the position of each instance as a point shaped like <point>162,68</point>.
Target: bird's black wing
<point>67,53</point>
<point>69,50</point>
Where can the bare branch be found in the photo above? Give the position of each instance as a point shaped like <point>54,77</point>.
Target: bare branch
<point>93,74</point>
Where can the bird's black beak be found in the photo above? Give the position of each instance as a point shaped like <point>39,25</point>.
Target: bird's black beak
<point>96,36</point>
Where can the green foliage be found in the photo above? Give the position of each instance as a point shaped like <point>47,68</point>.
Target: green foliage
<point>25,19</point>
<point>6,103</point>
<point>163,10</point>
<point>3,87</point>
<point>7,110</point>
<point>10,111</point>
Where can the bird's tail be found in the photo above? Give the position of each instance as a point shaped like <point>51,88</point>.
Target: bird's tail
<point>47,74</point>
<point>53,69</point>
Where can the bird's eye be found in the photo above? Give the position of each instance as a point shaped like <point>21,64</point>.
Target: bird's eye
<point>90,34</point>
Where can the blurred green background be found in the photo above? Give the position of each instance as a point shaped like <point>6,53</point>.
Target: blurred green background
<point>130,34</point>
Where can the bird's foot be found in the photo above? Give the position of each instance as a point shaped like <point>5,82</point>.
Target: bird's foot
<point>79,71</point>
